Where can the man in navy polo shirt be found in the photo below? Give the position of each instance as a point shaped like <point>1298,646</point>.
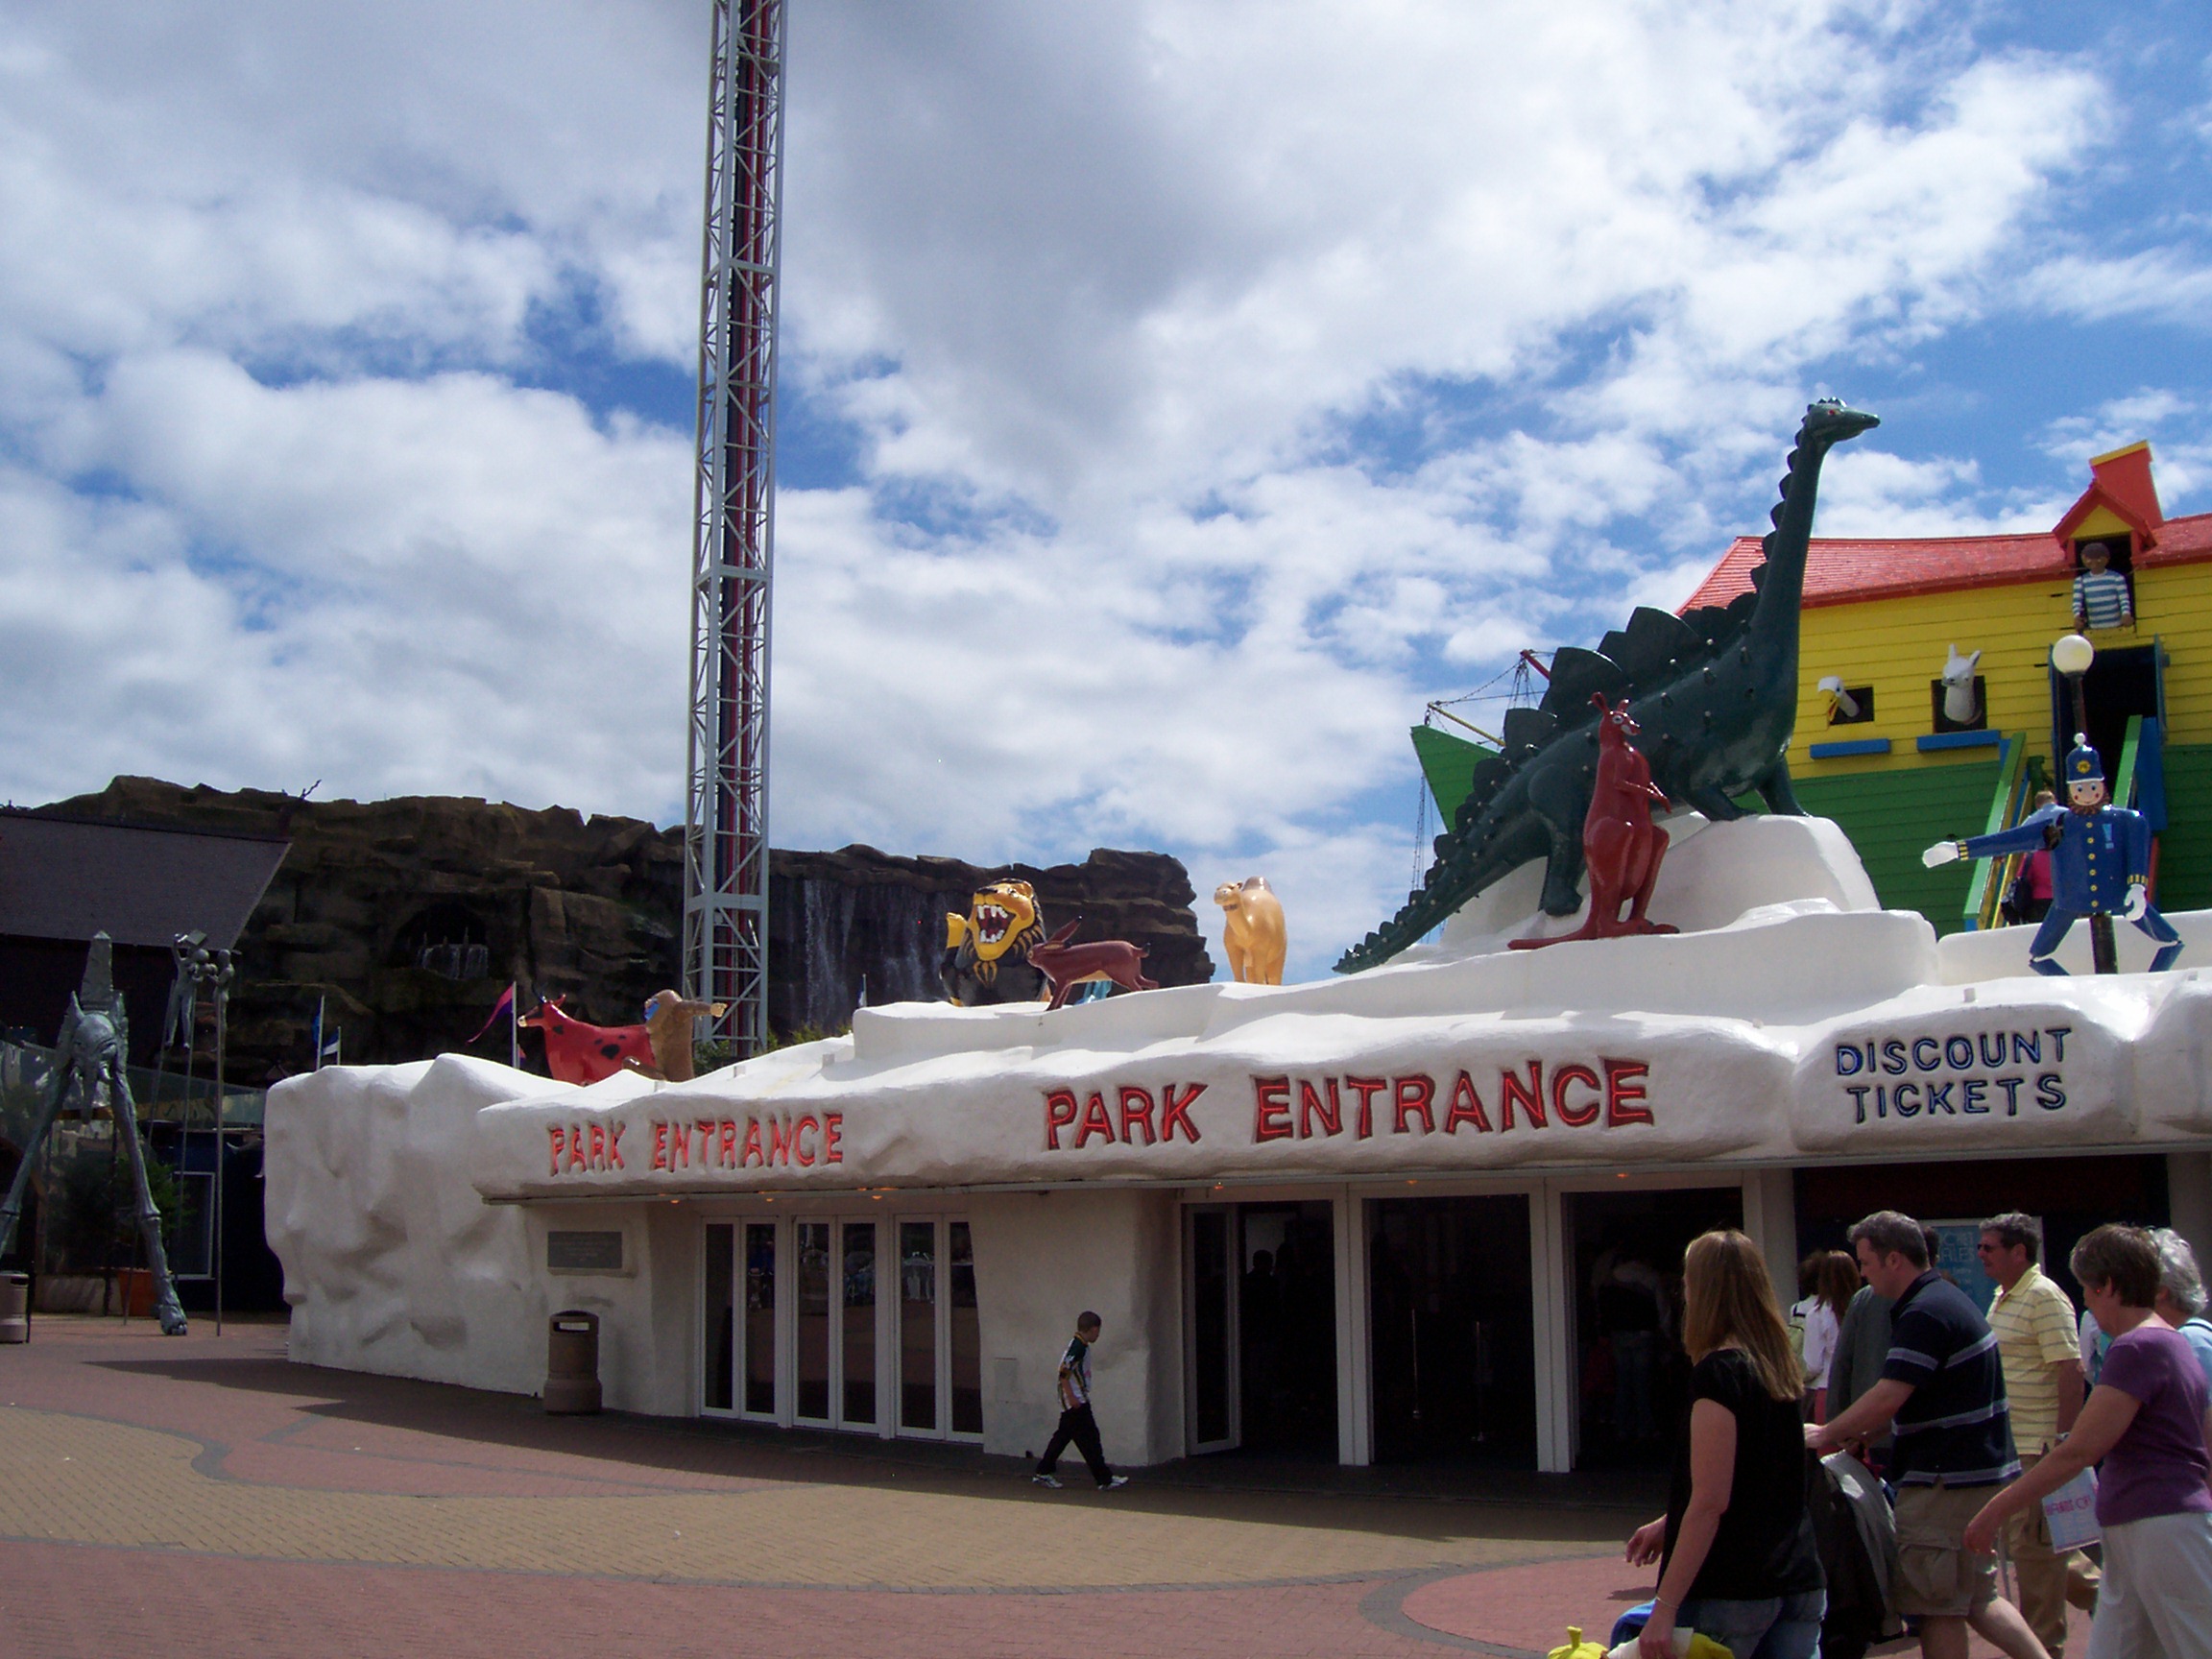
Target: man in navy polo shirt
<point>1943,1390</point>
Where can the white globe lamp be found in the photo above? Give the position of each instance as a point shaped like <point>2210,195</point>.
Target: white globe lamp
<point>2071,655</point>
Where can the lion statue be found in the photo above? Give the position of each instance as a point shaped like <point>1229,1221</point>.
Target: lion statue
<point>987,951</point>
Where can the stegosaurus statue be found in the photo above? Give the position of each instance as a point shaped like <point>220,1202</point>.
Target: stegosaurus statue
<point>1715,691</point>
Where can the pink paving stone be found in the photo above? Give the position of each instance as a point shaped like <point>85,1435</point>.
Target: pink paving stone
<point>1530,1606</point>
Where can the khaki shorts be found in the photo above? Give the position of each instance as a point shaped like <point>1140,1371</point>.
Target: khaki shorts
<point>1937,1577</point>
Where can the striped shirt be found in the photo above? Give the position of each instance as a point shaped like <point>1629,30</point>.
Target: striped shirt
<point>1076,1375</point>
<point>1955,1427</point>
<point>2033,1323</point>
<point>2101,597</point>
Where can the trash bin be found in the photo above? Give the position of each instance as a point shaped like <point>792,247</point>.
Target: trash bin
<point>15,1307</point>
<point>573,1363</point>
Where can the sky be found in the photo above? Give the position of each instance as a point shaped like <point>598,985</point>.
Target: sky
<point>1175,397</point>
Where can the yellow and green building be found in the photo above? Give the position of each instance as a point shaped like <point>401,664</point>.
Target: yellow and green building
<point>1888,763</point>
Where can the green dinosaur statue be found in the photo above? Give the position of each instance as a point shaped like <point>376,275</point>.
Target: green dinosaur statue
<point>1714,689</point>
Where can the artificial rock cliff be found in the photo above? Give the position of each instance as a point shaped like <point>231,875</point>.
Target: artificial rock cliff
<point>408,917</point>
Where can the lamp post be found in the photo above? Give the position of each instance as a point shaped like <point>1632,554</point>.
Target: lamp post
<point>2071,656</point>
<point>215,970</point>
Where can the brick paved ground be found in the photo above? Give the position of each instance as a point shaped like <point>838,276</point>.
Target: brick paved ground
<point>202,1496</point>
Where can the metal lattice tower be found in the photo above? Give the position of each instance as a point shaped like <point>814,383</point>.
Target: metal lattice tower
<point>726,816</point>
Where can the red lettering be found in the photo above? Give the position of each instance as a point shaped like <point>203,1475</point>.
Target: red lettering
<point>1576,1117</point>
<point>1059,1113</point>
<point>752,1154</point>
<point>1466,1107</point>
<point>726,1145</point>
<point>805,1157</point>
<point>1095,1122</point>
<point>560,1145</point>
<point>833,1123</point>
<point>1366,1088</point>
<point>1270,1109</point>
<point>614,1146</point>
<point>1622,1092</point>
<point>576,1159</point>
<point>779,1143</point>
<point>1310,1107</point>
<point>1414,1095</point>
<point>598,1156</point>
<point>1175,1114</point>
<point>660,1145</point>
<point>706,1128</point>
<point>1531,1095</point>
<point>1136,1111</point>
<point>679,1146</point>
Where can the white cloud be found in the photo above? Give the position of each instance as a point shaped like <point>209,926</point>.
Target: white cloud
<point>2154,282</point>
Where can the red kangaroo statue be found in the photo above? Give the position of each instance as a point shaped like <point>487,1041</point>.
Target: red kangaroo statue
<point>1620,844</point>
<point>576,1053</point>
<point>1066,966</point>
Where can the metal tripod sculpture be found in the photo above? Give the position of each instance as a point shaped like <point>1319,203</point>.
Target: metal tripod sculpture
<point>94,1045</point>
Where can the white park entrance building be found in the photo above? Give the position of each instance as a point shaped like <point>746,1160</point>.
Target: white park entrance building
<point>1433,1211</point>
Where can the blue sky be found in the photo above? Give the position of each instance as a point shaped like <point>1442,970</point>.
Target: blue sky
<point>1176,396</point>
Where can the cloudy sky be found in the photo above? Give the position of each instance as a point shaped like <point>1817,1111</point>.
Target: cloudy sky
<point>1176,394</point>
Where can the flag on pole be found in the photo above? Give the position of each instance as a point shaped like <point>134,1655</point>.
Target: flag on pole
<point>327,1048</point>
<point>505,1005</point>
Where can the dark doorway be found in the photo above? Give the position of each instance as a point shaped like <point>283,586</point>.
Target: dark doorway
<point>1454,1346</point>
<point>1626,1249</point>
<point>1261,1300</point>
<point>1286,1319</point>
<point>2121,682</point>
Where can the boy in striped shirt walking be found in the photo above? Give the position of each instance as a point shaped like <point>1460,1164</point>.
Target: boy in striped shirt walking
<point>1077,1421</point>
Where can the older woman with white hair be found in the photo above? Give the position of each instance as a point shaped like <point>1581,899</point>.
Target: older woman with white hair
<point>2181,1296</point>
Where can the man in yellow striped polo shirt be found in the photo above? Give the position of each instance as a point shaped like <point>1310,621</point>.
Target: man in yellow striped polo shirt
<point>2033,1321</point>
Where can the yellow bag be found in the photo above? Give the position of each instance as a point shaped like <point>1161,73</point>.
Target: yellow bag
<point>1576,1647</point>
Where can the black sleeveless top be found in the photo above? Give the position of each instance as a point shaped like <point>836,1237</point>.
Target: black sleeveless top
<point>1764,1547</point>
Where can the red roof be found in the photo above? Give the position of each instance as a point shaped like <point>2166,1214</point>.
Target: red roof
<point>2120,482</point>
<point>1842,572</point>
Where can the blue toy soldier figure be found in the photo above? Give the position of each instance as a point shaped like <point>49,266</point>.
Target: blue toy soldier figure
<point>2099,863</point>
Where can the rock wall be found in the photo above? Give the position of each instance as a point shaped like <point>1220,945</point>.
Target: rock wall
<point>839,918</point>
<point>408,917</point>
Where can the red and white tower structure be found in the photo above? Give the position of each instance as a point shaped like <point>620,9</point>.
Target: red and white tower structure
<point>725,816</point>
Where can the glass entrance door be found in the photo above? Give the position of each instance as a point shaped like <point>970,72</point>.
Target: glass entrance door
<point>1452,1329</point>
<point>1210,1329</point>
<point>835,1340</point>
<point>797,1296</point>
<point>938,1348</point>
<point>739,1335</point>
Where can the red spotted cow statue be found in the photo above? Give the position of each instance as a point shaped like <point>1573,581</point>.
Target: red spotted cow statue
<point>576,1053</point>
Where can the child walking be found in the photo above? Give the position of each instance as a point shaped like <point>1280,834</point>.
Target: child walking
<point>1077,1422</point>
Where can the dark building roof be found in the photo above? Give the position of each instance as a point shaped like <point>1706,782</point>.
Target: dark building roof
<point>140,884</point>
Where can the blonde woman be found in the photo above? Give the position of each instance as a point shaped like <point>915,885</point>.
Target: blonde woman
<point>1739,1560</point>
